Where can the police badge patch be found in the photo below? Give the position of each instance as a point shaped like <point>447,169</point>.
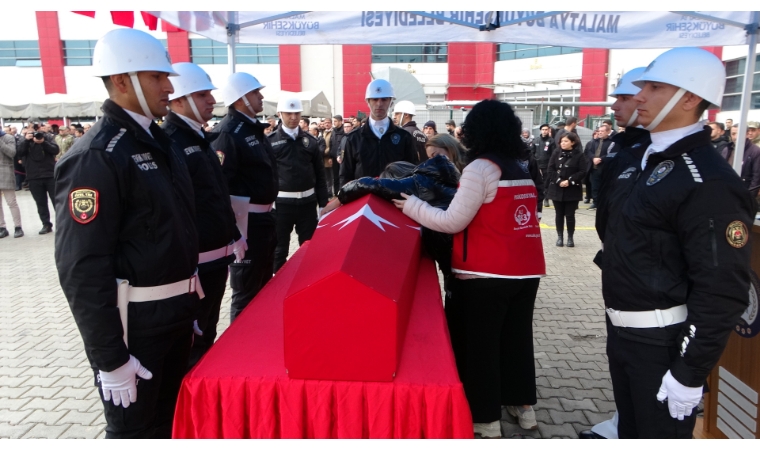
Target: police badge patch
<point>395,139</point>
<point>661,171</point>
<point>737,234</point>
<point>220,155</point>
<point>83,205</point>
<point>305,141</point>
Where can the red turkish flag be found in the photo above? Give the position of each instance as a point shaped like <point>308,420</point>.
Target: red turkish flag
<point>85,13</point>
<point>123,18</point>
<point>150,20</point>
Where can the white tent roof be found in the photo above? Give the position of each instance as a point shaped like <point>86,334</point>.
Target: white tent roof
<point>53,105</point>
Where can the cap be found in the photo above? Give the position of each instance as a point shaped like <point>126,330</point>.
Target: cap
<point>430,124</point>
<point>753,124</point>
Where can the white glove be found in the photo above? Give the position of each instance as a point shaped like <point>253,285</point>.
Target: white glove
<point>196,328</point>
<point>120,383</point>
<point>681,399</point>
<point>239,249</point>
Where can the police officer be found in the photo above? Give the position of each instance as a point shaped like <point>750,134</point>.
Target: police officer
<point>675,270</point>
<point>369,149</point>
<point>302,179</point>
<point>542,149</point>
<point>249,164</point>
<point>126,247</point>
<point>219,240</point>
<point>403,115</point>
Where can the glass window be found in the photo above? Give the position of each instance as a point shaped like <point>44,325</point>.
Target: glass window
<point>506,52</point>
<point>755,103</point>
<point>424,53</point>
<point>19,53</point>
<point>735,67</point>
<point>734,85</point>
<point>206,51</point>
<point>731,102</point>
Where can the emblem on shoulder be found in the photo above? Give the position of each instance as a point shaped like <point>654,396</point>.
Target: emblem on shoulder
<point>305,141</point>
<point>83,205</point>
<point>661,171</point>
<point>737,234</point>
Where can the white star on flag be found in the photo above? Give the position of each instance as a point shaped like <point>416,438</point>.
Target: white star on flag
<point>367,212</point>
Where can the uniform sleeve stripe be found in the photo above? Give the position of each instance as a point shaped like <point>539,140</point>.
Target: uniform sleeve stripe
<point>115,139</point>
<point>512,183</point>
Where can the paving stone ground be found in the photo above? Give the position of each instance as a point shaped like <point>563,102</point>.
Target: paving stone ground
<point>46,385</point>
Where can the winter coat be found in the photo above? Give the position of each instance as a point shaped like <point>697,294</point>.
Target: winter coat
<point>571,167</point>
<point>39,159</point>
<point>7,155</point>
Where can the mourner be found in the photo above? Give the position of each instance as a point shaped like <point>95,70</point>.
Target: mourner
<point>126,247</point>
<point>680,208</point>
<point>302,179</point>
<point>250,167</point>
<point>219,241</point>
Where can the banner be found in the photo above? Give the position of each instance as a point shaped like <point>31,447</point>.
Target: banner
<point>587,29</point>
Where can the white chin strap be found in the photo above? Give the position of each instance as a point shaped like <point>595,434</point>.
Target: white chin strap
<point>194,108</point>
<point>666,109</point>
<point>633,118</point>
<point>248,105</point>
<point>140,95</point>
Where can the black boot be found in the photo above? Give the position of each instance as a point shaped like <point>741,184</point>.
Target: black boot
<point>560,242</point>
<point>546,202</point>
<point>19,233</point>
<point>588,434</point>
<point>46,229</point>
<point>3,232</point>
<point>570,242</point>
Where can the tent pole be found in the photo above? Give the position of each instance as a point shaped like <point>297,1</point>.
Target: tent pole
<point>749,71</point>
<point>232,30</point>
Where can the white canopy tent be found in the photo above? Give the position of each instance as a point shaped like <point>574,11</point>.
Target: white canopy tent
<point>589,29</point>
<point>53,105</point>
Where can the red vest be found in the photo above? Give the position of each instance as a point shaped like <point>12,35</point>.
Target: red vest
<point>504,239</point>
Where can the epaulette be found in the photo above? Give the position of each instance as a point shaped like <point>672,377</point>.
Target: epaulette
<point>107,138</point>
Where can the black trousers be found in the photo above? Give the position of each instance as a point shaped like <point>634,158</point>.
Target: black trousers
<point>41,189</point>
<point>491,327</point>
<point>587,183</point>
<point>336,176</point>
<point>249,276</point>
<point>214,283</point>
<point>596,180</point>
<point>636,370</point>
<point>301,216</point>
<point>565,211</point>
<point>20,178</point>
<point>329,181</point>
<point>152,415</point>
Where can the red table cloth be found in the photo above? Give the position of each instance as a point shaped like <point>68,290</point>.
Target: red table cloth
<point>240,388</point>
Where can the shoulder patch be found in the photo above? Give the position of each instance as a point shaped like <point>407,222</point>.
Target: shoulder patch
<point>692,168</point>
<point>114,140</point>
<point>237,128</point>
<point>305,141</point>
<point>396,138</point>
<point>737,234</point>
<point>83,205</point>
<point>192,149</point>
<point>220,155</point>
<point>661,171</point>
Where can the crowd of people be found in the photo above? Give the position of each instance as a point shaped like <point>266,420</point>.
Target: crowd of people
<point>153,221</point>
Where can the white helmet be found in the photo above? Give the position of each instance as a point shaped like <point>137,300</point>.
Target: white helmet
<point>690,68</point>
<point>191,78</point>
<point>289,104</point>
<point>405,107</point>
<point>239,84</point>
<point>126,50</point>
<point>379,88</point>
<point>625,85</point>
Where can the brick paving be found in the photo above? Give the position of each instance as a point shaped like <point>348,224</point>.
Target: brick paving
<point>46,385</point>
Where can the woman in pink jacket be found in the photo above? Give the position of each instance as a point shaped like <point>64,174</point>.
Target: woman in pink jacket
<point>497,259</point>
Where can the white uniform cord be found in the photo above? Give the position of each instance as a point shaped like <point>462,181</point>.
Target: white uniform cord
<point>633,118</point>
<point>194,108</point>
<point>140,95</point>
<point>248,105</point>
<point>666,109</point>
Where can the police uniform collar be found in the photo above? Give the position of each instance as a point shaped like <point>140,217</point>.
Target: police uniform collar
<point>247,119</point>
<point>194,125</point>
<point>683,145</point>
<point>141,120</point>
<point>663,140</point>
<point>156,137</point>
<point>377,125</point>
<point>174,121</point>
<point>291,132</point>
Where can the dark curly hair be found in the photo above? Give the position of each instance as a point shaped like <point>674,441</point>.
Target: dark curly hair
<point>493,127</point>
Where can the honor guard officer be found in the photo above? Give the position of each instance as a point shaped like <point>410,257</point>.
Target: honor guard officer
<point>403,115</point>
<point>126,247</point>
<point>675,271</point>
<point>371,148</point>
<point>219,240</point>
<point>250,166</point>
<point>302,179</point>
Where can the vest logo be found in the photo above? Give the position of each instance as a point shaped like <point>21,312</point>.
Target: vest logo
<point>220,155</point>
<point>748,325</point>
<point>252,141</point>
<point>144,161</point>
<point>191,150</point>
<point>522,215</point>
<point>395,139</point>
<point>737,234</point>
<point>83,205</point>
<point>305,141</point>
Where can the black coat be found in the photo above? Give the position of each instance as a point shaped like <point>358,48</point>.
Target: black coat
<point>214,217</point>
<point>569,166</point>
<point>677,235</point>
<point>335,138</point>
<point>38,159</point>
<point>248,161</point>
<point>365,155</point>
<point>136,221</point>
<point>542,150</point>
<point>419,139</point>
<point>300,166</point>
<point>590,152</point>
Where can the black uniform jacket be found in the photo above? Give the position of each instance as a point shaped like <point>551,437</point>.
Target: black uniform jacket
<point>124,209</point>
<point>563,167</point>
<point>39,159</point>
<point>214,217</point>
<point>419,139</point>
<point>300,164</point>
<point>543,149</point>
<point>626,150</point>
<point>677,234</point>
<point>248,161</point>
<point>366,156</point>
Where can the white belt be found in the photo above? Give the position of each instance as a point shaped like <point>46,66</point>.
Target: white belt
<point>129,294</point>
<point>254,208</point>
<point>213,255</point>
<point>658,318</point>
<point>303,194</point>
